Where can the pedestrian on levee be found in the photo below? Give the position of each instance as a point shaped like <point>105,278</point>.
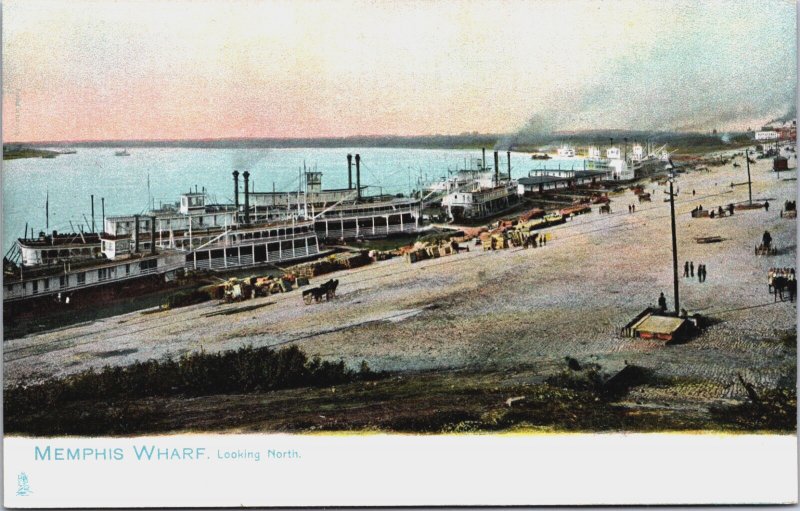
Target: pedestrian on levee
<point>662,302</point>
<point>691,269</point>
<point>766,205</point>
<point>686,269</point>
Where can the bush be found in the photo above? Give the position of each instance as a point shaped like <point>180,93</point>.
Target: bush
<point>246,369</point>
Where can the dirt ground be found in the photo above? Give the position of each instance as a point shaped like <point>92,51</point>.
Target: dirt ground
<point>518,307</point>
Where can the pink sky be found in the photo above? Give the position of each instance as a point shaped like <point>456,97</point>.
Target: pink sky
<point>91,70</point>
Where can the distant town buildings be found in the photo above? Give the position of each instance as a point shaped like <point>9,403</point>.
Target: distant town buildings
<point>778,131</point>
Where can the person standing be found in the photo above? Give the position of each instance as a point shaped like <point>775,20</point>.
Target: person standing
<point>691,269</point>
<point>766,205</point>
<point>766,239</point>
<point>686,269</point>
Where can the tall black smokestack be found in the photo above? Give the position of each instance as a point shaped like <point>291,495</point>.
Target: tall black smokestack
<point>508,159</point>
<point>349,171</point>
<point>135,234</point>
<point>496,169</point>
<point>236,190</point>
<point>358,176</point>
<point>246,177</point>
<point>153,235</point>
<point>483,159</point>
<point>94,229</point>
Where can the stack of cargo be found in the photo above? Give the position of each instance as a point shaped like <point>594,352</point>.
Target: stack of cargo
<point>530,214</point>
<point>420,252</point>
<point>331,263</point>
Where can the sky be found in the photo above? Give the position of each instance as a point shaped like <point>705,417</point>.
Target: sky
<point>114,70</point>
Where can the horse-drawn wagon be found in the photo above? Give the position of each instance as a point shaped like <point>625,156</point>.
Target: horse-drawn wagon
<point>316,294</point>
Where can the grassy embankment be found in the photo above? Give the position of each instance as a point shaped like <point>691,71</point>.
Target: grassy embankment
<point>266,390</point>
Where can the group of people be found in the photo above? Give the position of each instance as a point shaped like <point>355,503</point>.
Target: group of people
<point>631,208</point>
<point>719,212</point>
<point>688,271</point>
<point>787,273</point>
<point>535,240</point>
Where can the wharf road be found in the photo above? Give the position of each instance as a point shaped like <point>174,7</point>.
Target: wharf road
<point>505,309</point>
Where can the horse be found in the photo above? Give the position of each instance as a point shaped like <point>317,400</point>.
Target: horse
<point>779,284</point>
<point>330,289</point>
<point>605,208</point>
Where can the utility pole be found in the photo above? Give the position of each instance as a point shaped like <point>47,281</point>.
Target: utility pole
<point>749,183</point>
<point>674,241</point>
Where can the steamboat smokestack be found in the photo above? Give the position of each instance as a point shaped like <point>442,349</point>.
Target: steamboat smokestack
<point>94,228</point>
<point>135,234</point>
<point>496,168</point>
<point>246,177</point>
<point>153,235</point>
<point>483,159</point>
<point>358,176</point>
<point>349,171</point>
<point>508,159</point>
<point>236,191</point>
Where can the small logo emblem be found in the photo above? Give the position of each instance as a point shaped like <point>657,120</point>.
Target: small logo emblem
<point>23,485</point>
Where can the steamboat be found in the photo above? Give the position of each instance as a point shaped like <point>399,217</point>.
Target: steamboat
<point>483,196</point>
<point>141,252</point>
<point>344,214</point>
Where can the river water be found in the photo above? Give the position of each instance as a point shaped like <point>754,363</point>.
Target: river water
<point>123,182</point>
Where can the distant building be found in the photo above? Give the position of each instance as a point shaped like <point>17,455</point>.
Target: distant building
<point>788,131</point>
<point>766,135</point>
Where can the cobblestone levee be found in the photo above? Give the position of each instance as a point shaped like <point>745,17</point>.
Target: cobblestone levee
<point>509,308</point>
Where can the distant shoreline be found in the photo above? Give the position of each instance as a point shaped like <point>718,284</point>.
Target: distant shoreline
<point>519,142</point>
<point>28,152</point>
